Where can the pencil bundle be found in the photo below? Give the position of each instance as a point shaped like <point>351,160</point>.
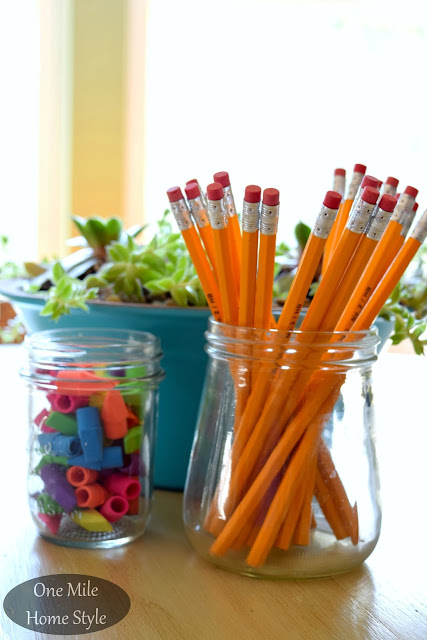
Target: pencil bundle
<point>286,384</point>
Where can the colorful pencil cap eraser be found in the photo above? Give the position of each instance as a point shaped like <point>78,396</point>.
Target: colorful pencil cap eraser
<point>215,191</point>
<point>359,168</point>
<point>253,193</point>
<point>192,190</point>
<point>370,195</point>
<point>271,197</point>
<point>415,207</point>
<point>191,181</point>
<point>52,522</point>
<point>339,172</point>
<point>223,178</point>
<point>79,476</point>
<point>411,191</point>
<point>332,199</point>
<point>114,508</point>
<point>370,181</point>
<point>393,181</point>
<point>174,194</point>
<point>121,485</point>
<point>387,202</point>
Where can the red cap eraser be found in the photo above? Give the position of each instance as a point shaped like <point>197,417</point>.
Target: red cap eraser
<point>223,178</point>
<point>190,181</point>
<point>359,168</point>
<point>370,195</point>
<point>332,199</point>
<point>387,202</point>
<point>253,193</point>
<point>339,172</point>
<point>393,181</point>
<point>270,197</point>
<point>215,191</point>
<point>415,207</point>
<point>174,194</point>
<point>370,181</point>
<point>411,191</point>
<point>192,190</point>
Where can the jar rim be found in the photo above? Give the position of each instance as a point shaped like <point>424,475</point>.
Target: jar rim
<point>286,349</point>
<point>145,344</point>
<point>133,354</point>
<point>369,337</point>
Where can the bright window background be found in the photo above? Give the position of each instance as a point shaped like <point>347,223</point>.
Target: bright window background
<point>19,126</point>
<point>281,93</point>
<point>276,92</point>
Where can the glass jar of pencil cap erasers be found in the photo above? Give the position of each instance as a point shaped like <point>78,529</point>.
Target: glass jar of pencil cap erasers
<point>93,404</point>
<point>283,478</point>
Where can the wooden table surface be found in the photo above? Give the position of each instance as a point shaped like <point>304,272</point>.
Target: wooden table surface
<point>176,595</point>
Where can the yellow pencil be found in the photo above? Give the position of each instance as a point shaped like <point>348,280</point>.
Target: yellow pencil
<point>195,249</point>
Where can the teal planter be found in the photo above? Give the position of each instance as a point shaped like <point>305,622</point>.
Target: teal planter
<point>181,331</point>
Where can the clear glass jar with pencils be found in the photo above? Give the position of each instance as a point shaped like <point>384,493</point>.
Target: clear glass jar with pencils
<point>283,478</point>
<point>93,410</point>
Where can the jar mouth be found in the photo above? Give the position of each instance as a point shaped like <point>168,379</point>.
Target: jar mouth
<point>267,344</point>
<point>121,353</point>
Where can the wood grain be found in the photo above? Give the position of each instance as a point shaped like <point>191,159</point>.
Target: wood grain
<point>176,595</point>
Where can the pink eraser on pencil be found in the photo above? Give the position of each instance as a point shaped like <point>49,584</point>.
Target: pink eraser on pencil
<point>393,181</point>
<point>271,197</point>
<point>387,202</point>
<point>223,178</point>
<point>370,181</point>
<point>215,191</point>
<point>411,191</point>
<point>114,508</point>
<point>192,190</point>
<point>253,193</point>
<point>174,194</point>
<point>360,168</point>
<point>339,172</point>
<point>415,207</point>
<point>332,199</point>
<point>370,195</point>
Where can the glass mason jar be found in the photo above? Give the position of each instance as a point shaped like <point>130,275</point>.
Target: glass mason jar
<point>283,481</point>
<point>93,406</point>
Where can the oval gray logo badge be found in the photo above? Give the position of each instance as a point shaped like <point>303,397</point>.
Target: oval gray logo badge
<point>67,604</point>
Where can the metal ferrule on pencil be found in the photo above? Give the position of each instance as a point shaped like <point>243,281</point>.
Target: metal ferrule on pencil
<point>217,214</point>
<point>229,202</point>
<point>198,211</point>
<point>360,217</point>
<point>339,184</point>
<point>182,215</point>
<point>269,220</point>
<point>324,221</point>
<point>388,189</point>
<point>250,217</point>
<point>420,230</point>
<point>377,224</point>
<point>406,221</point>
<point>354,185</point>
<point>405,205</point>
